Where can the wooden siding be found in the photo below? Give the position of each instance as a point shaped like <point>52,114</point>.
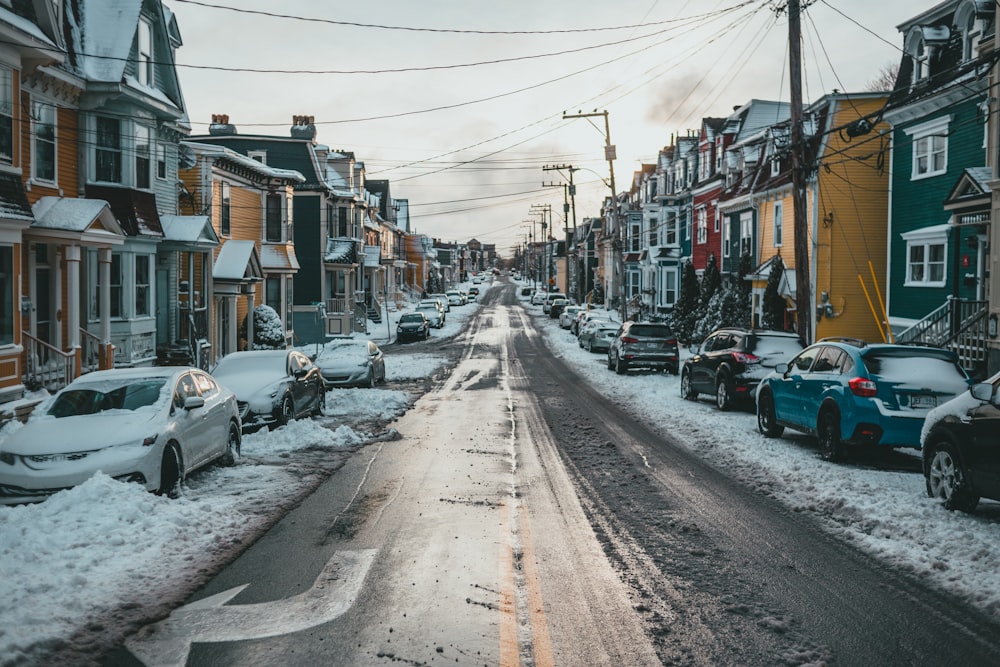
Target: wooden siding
<point>919,203</point>
<point>851,225</point>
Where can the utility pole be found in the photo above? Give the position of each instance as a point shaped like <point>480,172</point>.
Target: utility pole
<point>803,288</point>
<point>618,244</point>
<point>571,191</point>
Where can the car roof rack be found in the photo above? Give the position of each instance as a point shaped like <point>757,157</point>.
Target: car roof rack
<point>856,342</point>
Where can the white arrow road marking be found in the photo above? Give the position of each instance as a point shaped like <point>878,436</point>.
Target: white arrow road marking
<point>167,643</point>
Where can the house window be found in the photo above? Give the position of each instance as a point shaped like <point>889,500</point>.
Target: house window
<point>108,150</point>
<point>143,157</point>
<point>930,147</point>
<point>718,154</point>
<point>775,166</point>
<point>161,161</point>
<point>343,229</point>
<point>668,288</point>
<point>144,53</point>
<point>634,283</point>
<point>654,232</point>
<point>726,240</point>
<point>718,221</point>
<point>142,293</point>
<point>272,224</point>
<point>926,253</point>
<point>702,226</point>
<point>6,116</point>
<point>7,295</point>
<point>746,233</point>
<point>778,223</point>
<point>224,221</point>
<point>260,156</point>
<point>116,286</point>
<point>671,230</point>
<point>272,292</point>
<point>634,237</point>
<point>44,160</point>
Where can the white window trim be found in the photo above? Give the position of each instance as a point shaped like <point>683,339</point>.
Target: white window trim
<point>778,224</point>
<point>35,178</point>
<point>936,127</point>
<point>928,236</point>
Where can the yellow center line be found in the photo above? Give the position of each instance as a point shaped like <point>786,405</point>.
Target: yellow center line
<point>540,640</point>
<point>509,654</point>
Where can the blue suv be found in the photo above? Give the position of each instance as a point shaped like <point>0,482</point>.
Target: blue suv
<point>847,392</point>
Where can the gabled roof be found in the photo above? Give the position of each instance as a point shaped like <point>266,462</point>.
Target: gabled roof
<point>135,209</point>
<point>191,229</point>
<point>971,190</point>
<point>89,217</point>
<point>238,261</point>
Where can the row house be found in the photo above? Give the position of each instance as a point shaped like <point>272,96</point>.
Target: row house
<point>249,208</point>
<point>939,241</point>
<point>330,211</point>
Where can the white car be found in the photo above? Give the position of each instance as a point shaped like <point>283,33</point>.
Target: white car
<point>153,426</point>
<point>455,298</point>
<point>351,363</point>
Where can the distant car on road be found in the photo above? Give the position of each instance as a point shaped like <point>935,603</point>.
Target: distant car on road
<point>153,426</point>
<point>272,387</point>
<point>847,392</point>
<point>351,363</point>
<point>596,335</point>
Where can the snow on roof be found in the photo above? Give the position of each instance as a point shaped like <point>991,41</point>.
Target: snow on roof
<point>188,228</point>
<point>279,256</point>
<point>231,264</point>
<point>104,37</point>
<point>76,215</point>
<point>221,152</point>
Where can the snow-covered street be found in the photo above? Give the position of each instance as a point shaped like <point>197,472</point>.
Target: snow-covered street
<point>88,561</point>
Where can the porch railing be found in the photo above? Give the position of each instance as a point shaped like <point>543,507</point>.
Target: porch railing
<point>90,351</point>
<point>958,325</point>
<point>46,365</point>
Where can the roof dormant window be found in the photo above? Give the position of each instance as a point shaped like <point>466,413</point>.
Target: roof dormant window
<point>144,53</point>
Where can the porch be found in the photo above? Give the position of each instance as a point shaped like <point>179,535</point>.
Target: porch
<point>958,325</point>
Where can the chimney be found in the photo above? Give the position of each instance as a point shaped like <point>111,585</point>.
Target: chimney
<point>303,127</point>
<point>220,125</point>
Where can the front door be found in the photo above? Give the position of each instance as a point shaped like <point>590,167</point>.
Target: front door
<point>162,308</point>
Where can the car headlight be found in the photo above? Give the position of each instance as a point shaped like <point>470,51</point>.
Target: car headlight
<point>7,458</point>
<point>149,440</point>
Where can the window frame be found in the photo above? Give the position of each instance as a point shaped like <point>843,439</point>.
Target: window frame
<point>925,239</point>
<point>924,135</point>
<point>38,108</point>
<point>145,73</point>
<point>8,294</point>
<point>778,223</point>
<point>112,151</point>
<point>225,209</point>
<point>6,115</point>
<point>143,284</point>
<point>142,166</point>
<point>273,227</point>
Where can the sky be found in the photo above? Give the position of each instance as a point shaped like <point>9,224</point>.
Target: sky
<point>460,104</point>
<point>91,563</point>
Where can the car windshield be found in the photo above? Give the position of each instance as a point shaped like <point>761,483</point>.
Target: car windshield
<point>239,362</point>
<point>918,369</point>
<point>651,331</point>
<point>775,346</point>
<point>98,397</point>
<point>352,350</point>
<point>411,317</point>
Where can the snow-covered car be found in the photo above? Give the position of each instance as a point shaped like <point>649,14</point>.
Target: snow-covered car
<point>538,298</point>
<point>596,335</point>
<point>567,316</point>
<point>432,311</point>
<point>351,363</point>
<point>455,298</point>
<point>152,426</point>
<point>960,442</point>
<point>443,300</point>
<point>272,387</point>
<point>413,325</point>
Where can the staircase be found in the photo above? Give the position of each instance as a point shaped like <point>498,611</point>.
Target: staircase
<point>374,309</point>
<point>958,325</point>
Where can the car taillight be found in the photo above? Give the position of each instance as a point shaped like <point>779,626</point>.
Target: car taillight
<point>629,339</point>
<point>746,358</point>
<point>862,387</point>
<point>670,342</point>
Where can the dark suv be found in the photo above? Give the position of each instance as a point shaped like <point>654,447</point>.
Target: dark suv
<point>643,345</point>
<point>731,362</point>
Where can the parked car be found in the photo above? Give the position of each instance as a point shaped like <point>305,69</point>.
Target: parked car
<point>644,345</point>
<point>538,298</point>
<point>556,307</point>
<point>455,298</point>
<point>151,425</point>
<point>731,362</point>
<point>847,392</point>
<point>272,387</point>
<point>413,326</point>
<point>596,335</point>
<point>582,318</point>
<point>351,363</point>
<point>960,440</point>
<point>443,300</point>
<point>568,315</point>
<point>433,312</point>
<point>549,298</point>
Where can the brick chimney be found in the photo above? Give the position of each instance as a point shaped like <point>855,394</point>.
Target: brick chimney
<point>304,127</point>
<point>220,125</point>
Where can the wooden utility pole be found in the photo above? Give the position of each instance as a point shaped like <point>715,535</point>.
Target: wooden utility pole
<point>803,288</point>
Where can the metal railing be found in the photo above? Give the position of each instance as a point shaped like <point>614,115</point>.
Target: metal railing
<point>90,351</point>
<point>958,325</point>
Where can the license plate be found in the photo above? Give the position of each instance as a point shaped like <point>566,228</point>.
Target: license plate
<point>922,401</point>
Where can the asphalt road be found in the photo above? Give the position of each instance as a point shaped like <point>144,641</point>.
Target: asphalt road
<point>520,519</point>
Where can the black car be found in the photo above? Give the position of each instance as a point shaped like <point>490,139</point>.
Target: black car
<point>414,326</point>
<point>961,447</point>
<point>644,345</point>
<point>731,362</point>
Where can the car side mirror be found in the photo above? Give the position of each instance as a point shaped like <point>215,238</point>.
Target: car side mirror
<point>781,368</point>
<point>194,402</point>
<point>982,391</point>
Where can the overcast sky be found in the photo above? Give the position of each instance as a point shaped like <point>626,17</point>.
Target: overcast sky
<point>464,137</point>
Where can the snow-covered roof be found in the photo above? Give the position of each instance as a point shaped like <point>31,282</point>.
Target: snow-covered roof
<point>189,229</point>
<point>258,167</point>
<point>237,260</point>
<point>278,257</point>
<point>75,215</point>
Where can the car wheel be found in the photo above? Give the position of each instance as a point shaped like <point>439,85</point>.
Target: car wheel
<point>320,402</point>
<point>170,472</point>
<point>286,413</point>
<point>945,478</point>
<point>687,390</point>
<point>232,454</point>
<point>767,422</point>
<point>831,448</point>
<point>723,397</point>
<point>620,366</point>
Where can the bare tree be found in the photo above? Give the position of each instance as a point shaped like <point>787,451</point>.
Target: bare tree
<point>885,80</point>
